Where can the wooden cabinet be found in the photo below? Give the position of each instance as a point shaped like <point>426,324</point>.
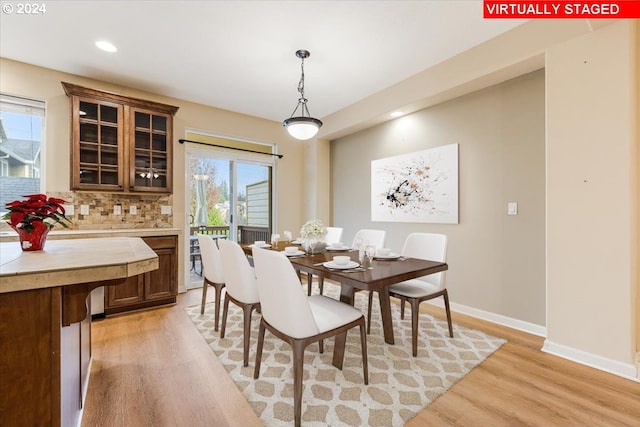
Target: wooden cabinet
<point>129,293</point>
<point>119,143</point>
<point>98,153</point>
<point>154,288</point>
<point>150,151</point>
<point>30,357</point>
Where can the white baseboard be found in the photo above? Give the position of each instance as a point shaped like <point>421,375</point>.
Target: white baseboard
<point>625,370</point>
<point>499,319</point>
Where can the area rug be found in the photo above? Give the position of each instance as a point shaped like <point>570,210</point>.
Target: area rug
<point>399,385</point>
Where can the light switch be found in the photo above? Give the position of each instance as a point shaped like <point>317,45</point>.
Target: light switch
<point>165,210</point>
<point>512,208</point>
<point>84,209</point>
<point>133,209</point>
<point>117,210</point>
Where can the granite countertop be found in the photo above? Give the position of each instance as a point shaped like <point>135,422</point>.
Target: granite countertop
<point>71,261</point>
<point>58,233</point>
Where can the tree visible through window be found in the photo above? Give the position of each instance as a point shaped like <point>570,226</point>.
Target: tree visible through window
<point>21,133</point>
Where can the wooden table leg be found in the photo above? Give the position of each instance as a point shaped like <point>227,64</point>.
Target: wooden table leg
<point>347,295</point>
<point>385,313</point>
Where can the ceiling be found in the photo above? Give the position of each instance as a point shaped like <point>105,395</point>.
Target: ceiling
<point>240,55</point>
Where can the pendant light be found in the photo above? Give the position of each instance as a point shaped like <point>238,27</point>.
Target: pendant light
<point>303,126</point>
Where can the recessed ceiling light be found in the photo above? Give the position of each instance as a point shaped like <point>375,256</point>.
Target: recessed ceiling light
<point>397,114</point>
<point>106,46</point>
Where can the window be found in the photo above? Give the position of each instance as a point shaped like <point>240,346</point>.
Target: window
<point>21,138</point>
<point>229,191</point>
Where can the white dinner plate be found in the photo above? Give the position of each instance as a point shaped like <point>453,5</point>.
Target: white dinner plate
<point>297,242</point>
<point>350,264</point>
<point>341,248</point>
<point>390,256</point>
<point>266,245</point>
<point>298,253</point>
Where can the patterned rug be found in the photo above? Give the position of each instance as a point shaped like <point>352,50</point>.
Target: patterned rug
<point>399,384</point>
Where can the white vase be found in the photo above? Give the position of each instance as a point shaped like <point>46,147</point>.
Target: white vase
<point>319,247</point>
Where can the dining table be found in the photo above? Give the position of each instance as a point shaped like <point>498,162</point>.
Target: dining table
<point>383,273</point>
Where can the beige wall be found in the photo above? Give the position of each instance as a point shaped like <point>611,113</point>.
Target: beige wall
<point>44,84</point>
<point>591,195</point>
<point>497,261</point>
<point>636,210</point>
<point>317,190</point>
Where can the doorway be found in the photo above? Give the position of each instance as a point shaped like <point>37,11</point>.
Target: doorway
<point>229,195</point>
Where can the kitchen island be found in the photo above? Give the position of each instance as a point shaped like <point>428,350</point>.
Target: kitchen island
<point>44,327</point>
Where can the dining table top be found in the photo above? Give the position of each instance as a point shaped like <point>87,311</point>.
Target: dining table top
<point>385,272</point>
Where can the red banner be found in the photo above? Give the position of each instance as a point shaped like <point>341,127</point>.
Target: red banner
<point>495,9</point>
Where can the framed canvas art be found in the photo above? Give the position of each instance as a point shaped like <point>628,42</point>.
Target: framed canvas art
<point>416,187</point>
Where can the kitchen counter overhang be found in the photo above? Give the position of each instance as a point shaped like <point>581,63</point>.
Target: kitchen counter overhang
<point>74,261</point>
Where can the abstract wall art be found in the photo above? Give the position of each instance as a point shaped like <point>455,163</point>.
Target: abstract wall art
<point>416,187</point>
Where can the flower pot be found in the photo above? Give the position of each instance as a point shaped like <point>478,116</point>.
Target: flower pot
<point>34,239</point>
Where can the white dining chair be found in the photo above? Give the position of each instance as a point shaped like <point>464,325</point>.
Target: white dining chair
<point>334,235</point>
<point>297,319</point>
<point>212,273</point>
<point>373,237</point>
<point>240,281</point>
<point>429,246</point>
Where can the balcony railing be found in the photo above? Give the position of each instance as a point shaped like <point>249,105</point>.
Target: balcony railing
<point>246,233</point>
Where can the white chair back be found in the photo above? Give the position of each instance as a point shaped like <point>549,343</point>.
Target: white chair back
<point>334,234</point>
<point>239,277</point>
<point>429,246</point>
<point>211,262</point>
<point>372,237</point>
<point>282,300</point>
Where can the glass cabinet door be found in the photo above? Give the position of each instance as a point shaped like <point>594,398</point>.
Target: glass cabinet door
<point>119,144</point>
<point>98,147</point>
<point>150,151</point>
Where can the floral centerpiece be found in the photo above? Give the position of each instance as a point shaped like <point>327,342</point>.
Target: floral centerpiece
<point>33,218</point>
<point>313,232</point>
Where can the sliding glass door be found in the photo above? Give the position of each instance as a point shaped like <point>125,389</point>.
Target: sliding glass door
<point>229,196</point>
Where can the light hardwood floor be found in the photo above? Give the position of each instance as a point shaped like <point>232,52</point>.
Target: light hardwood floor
<point>152,368</point>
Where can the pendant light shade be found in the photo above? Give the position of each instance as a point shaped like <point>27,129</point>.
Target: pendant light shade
<point>304,126</point>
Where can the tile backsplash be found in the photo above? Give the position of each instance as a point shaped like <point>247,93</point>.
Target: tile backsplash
<point>147,210</point>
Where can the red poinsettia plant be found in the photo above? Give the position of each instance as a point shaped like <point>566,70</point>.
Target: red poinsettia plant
<point>36,211</point>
